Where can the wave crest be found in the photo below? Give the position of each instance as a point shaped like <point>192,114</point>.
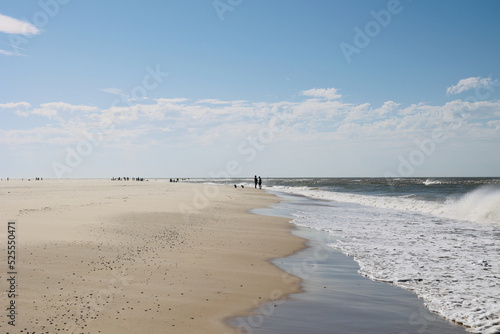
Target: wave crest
<point>481,204</point>
<point>430,182</point>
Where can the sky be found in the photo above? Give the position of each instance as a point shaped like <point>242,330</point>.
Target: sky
<point>234,88</point>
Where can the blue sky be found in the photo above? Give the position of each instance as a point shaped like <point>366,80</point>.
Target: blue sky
<point>237,87</point>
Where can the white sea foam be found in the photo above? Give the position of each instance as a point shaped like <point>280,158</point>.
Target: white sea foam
<point>452,264</point>
<point>481,205</point>
<point>430,182</point>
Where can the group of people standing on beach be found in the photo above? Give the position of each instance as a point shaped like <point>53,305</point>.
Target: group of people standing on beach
<point>126,178</point>
<point>257,181</point>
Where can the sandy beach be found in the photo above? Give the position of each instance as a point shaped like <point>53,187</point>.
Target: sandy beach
<point>101,256</point>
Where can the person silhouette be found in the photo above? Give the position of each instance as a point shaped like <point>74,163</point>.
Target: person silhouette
<point>255,181</point>
<point>260,183</point>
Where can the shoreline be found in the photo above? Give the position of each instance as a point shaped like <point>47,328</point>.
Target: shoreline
<point>337,297</point>
<point>122,257</point>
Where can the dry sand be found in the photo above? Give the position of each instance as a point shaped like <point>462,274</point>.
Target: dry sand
<point>99,256</point>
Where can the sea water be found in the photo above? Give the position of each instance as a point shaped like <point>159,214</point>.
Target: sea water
<point>437,237</point>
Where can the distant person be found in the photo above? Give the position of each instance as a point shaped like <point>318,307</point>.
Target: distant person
<point>255,181</point>
<point>260,183</point>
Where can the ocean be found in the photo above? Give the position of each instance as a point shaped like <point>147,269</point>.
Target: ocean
<point>438,237</point>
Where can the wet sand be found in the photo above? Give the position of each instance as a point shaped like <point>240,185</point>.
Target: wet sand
<point>99,256</point>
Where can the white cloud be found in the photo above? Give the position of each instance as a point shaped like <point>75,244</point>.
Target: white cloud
<point>174,100</point>
<point>187,123</point>
<point>122,114</point>
<point>325,93</point>
<point>20,108</point>
<point>114,91</point>
<point>387,108</point>
<point>45,134</point>
<point>470,83</point>
<point>495,124</point>
<point>7,53</point>
<point>55,109</point>
<point>212,101</point>
<point>13,105</point>
<point>309,129</point>
<point>10,25</point>
<point>314,108</point>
